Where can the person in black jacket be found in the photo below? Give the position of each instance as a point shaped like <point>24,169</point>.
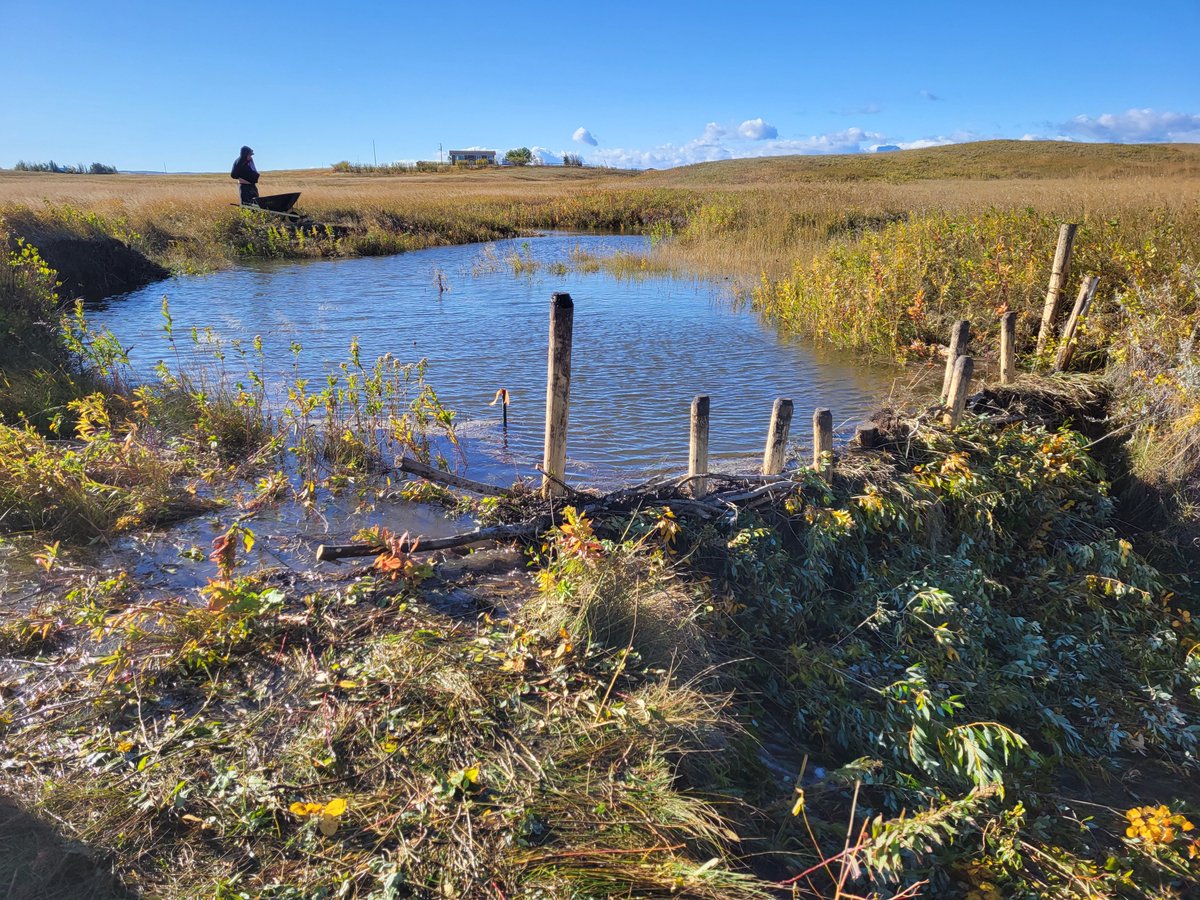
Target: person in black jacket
<point>247,177</point>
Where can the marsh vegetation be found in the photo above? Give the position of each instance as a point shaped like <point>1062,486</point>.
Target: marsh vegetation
<point>963,667</point>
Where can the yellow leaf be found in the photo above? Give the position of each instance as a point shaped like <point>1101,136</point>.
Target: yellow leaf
<point>347,684</point>
<point>299,809</point>
<point>471,774</point>
<point>335,807</point>
<point>798,806</point>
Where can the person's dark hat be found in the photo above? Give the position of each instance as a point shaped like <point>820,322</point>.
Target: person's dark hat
<point>246,151</point>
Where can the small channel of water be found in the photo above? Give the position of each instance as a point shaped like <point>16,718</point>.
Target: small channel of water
<point>643,347</point>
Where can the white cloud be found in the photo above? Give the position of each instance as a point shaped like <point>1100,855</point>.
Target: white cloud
<point>1136,126</point>
<point>712,145</point>
<point>583,136</point>
<point>664,156</point>
<point>757,130</point>
<point>939,141</point>
<point>544,157</point>
<point>867,109</point>
<point>849,140</point>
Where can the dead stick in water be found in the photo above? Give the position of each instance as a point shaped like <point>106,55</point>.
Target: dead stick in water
<point>431,474</point>
<point>331,552</point>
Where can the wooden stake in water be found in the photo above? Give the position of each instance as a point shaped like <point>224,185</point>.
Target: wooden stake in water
<point>1008,347</point>
<point>1058,278</point>
<point>963,369</point>
<point>781,421</point>
<point>823,441</point>
<point>558,390</point>
<point>502,397</point>
<point>1066,347</point>
<point>698,447</point>
<point>960,336</point>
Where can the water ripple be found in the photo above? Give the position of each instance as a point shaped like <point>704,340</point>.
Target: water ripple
<point>643,348</point>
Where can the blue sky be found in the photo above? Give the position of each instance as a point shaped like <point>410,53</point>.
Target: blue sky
<point>180,86</point>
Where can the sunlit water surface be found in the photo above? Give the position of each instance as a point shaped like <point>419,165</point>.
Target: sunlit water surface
<point>643,348</point>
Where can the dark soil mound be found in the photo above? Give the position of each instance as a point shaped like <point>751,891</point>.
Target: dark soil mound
<point>98,267</point>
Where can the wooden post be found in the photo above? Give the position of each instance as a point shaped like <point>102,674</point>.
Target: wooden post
<point>698,447</point>
<point>1066,347</point>
<point>1058,278</point>
<point>781,421</point>
<point>1008,347</point>
<point>502,397</point>
<point>558,389</point>
<point>960,336</point>
<point>963,370</point>
<point>823,441</point>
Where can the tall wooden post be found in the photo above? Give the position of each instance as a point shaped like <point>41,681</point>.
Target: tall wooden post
<point>1008,347</point>
<point>823,441</point>
<point>1066,347</point>
<point>558,390</point>
<point>960,336</point>
<point>698,447</point>
<point>963,369</point>
<point>781,421</point>
<point>1058,278</point>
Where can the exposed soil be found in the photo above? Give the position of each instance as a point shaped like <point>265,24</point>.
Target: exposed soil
<point>98,267</point>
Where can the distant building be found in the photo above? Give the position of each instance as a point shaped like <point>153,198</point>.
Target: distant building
<point>473,157</point>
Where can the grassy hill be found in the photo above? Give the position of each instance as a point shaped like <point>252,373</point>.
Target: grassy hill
<point>978,160</point>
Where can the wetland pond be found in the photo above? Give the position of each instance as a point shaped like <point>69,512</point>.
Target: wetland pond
<point>643,347</point>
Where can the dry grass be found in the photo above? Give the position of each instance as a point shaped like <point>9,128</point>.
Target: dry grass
<point>737,217</point>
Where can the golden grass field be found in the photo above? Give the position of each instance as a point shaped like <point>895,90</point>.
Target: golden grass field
<point>736,217</point>
<point>989,630</point>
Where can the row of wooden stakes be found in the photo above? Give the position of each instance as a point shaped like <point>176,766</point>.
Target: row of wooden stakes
<point>959,369</point>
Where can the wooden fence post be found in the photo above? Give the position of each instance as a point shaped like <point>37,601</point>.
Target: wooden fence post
<point>1066,347</point>
<point>823,441</point>
<point>1008,347</point>
<point>1058,278</point>
<point>781,421</point>
<point>963,370</point>
<point>960,336</point>
<point>698,447</point>
<point>558,390</point>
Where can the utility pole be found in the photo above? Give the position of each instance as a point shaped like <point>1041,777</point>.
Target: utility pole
<point>439,153</point>
<point>374,156</point>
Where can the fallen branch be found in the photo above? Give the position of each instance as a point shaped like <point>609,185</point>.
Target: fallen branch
<point>331,552</point>
<point>413,467</point>
<point>742,493</point>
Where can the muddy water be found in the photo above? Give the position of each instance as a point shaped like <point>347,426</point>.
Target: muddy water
<point>643,347</point>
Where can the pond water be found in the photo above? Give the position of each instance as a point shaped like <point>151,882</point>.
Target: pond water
<point>643,348</point>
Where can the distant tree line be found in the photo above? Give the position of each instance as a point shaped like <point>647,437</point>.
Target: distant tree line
<point>521,156</point>
<point>397,168</point>
<point>81,169</point>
